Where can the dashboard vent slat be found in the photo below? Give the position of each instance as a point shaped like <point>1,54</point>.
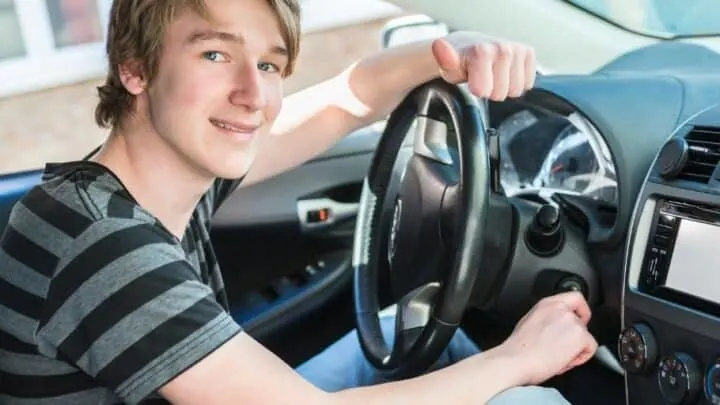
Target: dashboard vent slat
<point>703,154</point>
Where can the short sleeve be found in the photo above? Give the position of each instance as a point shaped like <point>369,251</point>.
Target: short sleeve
<point>127,308</point>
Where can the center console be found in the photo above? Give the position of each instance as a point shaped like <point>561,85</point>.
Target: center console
<point>670,343</point>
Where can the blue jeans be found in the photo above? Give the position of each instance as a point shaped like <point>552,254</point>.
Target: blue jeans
<point>343,365</point>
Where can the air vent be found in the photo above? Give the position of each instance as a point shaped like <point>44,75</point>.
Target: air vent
<point>703,154</point>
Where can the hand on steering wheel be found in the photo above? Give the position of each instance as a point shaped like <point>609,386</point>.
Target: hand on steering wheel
<point>493,69</point>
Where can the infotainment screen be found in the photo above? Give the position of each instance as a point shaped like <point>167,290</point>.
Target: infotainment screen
<point>695,266</point>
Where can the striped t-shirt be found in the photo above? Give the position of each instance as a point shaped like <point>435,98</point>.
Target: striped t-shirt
<point>99,302</point>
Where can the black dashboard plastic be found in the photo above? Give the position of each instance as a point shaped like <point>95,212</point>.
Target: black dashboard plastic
<point>686,336</point>
<point>634,114</point>
<point>636,103</point>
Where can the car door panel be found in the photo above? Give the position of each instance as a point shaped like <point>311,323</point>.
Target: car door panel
<point>275,201</point>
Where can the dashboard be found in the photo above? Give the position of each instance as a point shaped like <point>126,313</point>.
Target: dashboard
<point>639,140</point>
<point>670,344</point>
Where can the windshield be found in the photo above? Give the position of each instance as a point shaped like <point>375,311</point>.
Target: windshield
<point>666,18</point>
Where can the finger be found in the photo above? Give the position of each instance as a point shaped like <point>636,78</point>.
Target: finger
<point>479,61</point>
<point>501,72</point>
<point>517,72</point>
<point>575,301</point>
<point>448,60</point>
<point>530,68</point>
<point>586,354</point>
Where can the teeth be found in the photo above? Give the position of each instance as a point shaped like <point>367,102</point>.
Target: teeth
<point>225,126</point>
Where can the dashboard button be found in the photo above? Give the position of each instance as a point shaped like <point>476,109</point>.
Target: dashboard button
<point>661,241</point>
<point>667,222</point>
<point>679,378</point>
<point>638,349</point>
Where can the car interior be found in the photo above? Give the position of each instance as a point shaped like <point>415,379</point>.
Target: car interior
<point>466,212</point>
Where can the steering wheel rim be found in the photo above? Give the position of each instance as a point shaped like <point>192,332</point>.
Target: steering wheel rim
<point>416,349</point>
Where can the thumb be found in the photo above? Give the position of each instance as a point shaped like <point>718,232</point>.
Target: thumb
<point>449,61</point>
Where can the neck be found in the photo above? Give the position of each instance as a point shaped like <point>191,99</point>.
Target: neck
<point>157,176</point>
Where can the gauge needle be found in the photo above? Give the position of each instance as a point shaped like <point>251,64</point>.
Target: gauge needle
<point>557,168</point>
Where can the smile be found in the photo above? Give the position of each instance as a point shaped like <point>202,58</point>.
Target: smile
<point>235,127</point>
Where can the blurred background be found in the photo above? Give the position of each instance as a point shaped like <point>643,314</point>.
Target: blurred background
<point>52,59</point>
<point>52,51</point>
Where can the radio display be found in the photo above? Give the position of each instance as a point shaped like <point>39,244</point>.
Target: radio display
<point>694,269</point>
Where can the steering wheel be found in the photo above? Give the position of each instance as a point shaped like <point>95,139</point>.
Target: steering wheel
<point>421,220</point>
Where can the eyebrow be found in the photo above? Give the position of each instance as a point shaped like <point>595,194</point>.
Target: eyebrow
<point>209,35</point>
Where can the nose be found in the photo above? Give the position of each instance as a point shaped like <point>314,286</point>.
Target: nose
<point>248,91</point>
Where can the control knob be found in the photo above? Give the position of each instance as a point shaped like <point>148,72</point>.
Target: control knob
<point>680,378</point>
<point>712,383</point>
<point>638,349</point>
<point>545,235</point>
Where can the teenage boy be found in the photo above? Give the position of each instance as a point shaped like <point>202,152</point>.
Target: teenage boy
<point>111,291</point>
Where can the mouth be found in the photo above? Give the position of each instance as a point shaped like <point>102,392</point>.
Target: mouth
<point>237,129</point>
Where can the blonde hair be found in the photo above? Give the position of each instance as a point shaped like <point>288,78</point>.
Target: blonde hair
<point>135,32</point>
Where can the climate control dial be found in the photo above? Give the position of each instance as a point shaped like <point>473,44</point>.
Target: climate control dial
<point>638,349</point>
<point>680,378</point>
<point>712,383</point>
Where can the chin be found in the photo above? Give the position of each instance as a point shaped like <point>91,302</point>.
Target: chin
<point>229,163</point>
<point>231,167</point>
<point>231,171</point>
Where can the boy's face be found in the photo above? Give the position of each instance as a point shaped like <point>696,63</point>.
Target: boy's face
<point>218,86</point>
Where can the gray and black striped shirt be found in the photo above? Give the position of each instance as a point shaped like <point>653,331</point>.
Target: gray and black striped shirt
<point>99,303</point>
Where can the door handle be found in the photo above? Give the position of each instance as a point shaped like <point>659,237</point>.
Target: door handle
<point>321,213</point>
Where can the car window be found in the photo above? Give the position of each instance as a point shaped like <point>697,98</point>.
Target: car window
<point>664,18</point>
<point>11,44</point>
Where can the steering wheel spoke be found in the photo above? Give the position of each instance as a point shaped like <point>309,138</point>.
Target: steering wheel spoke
<point>436,176</point>
<point>412,316</point>
<point>413,310</point>
<point>431,140</point>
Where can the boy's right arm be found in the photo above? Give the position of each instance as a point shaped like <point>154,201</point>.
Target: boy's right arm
<point>126,308</point>
<point>551,339</point>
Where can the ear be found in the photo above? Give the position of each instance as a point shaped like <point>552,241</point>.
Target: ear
<point>133,77</point>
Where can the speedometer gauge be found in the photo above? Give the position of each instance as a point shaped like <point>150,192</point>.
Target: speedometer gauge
<point>513,177</point>
<point>578,163</point>
<point>550,152</point>
<point>571,162</point>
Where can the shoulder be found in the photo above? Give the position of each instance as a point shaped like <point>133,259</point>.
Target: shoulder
<point>94,190</point>
<point>74,195</point>
<point>82,214</point>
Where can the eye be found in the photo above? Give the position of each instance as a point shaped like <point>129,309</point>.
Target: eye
<point>268,67</point>
<point>214,56</point>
